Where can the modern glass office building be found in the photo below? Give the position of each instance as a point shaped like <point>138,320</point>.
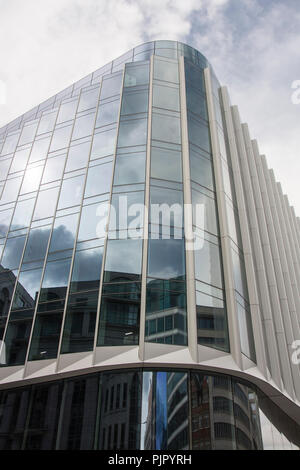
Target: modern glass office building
<point>149,268</point>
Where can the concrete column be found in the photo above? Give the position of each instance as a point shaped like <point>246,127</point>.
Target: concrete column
<point>246,241</point>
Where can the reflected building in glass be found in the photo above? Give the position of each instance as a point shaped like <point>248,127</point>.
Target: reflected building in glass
<point>149,268</point>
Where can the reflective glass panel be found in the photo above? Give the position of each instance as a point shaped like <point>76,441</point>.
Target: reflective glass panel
<point>78,156</point>
<point>53,169</point>
<point>98,180</point>
<point>166,164</point>
<point>86,269</point>
<point>46,203</point>
<point>130,169</point>
<point>39,150</point>
<point>63,235</point>
<point>71,192</point>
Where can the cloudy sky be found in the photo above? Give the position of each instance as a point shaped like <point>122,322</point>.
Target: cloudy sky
<point>254,46</point>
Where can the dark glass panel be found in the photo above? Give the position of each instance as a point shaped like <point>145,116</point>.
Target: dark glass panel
<point>166,259</point>
<point>14,407</point>
<point>123,260</point>
<point>79,328</point>
<point>13,252</point>
<point>27,289</point>
<point>61,138</point>
<point>43,418</point>
<point>119,423</point>
<point>17,337</point>
<point>45,338</point>
<point>5,218</point>
<point>133,132</point>
<point>78,414</point>
<point>55,280</point>
<point>37,244</point>
<point>166,312</point>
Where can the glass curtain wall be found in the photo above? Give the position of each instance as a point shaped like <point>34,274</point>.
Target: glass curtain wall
<point>143,409</point>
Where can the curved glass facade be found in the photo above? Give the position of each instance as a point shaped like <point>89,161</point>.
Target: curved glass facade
<point>125,238</point>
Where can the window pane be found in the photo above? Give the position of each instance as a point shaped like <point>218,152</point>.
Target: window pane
<point>201,170</point>
<point>166,71</point>
<point>208,263</point>
<point>123,260</point>
<point>22,215</point>
<point>53,169</point>
<point>4,167</point>
<point>199,134</point>
<point>17,337</point>
<point>104,144</point>
<point>166,164</point>
<point>134,102</point>
<point>136,75</point>
<point>130,169</point>
<point>37,244</point>
<point>108,113</point>
<point>204,212</point>
<point>119,314</point>
<point>39,150</point>
<point>111,86</point>
<point>61,138</point>
<point>166,128</point>
<point>132,133</point>
<point>27,289</point>
<point>28,133</point>
<point>45,338</point>
<point>13,252</point>
<point>11,190</point>
<point>31,180</point>
<point>88,100</point>
<point>78,156</point>
<point>166,312</point>
<point>98,180</point>
<point>47,123</point>
<point>71,192</point>
<point>46,203</point>
<point>67,111</point>
<point>83,126</point>
<point>92,221</point>
<point>5,218</point>
<point>20,160</point>
<point>79,328</point>
<point>63,235</point>
<point>55,280</point>
<point>166,97</point>
<point>166,259</point>
<point>86,269</point>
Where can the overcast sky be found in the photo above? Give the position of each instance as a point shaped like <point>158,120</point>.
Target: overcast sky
<point>253,45</point>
